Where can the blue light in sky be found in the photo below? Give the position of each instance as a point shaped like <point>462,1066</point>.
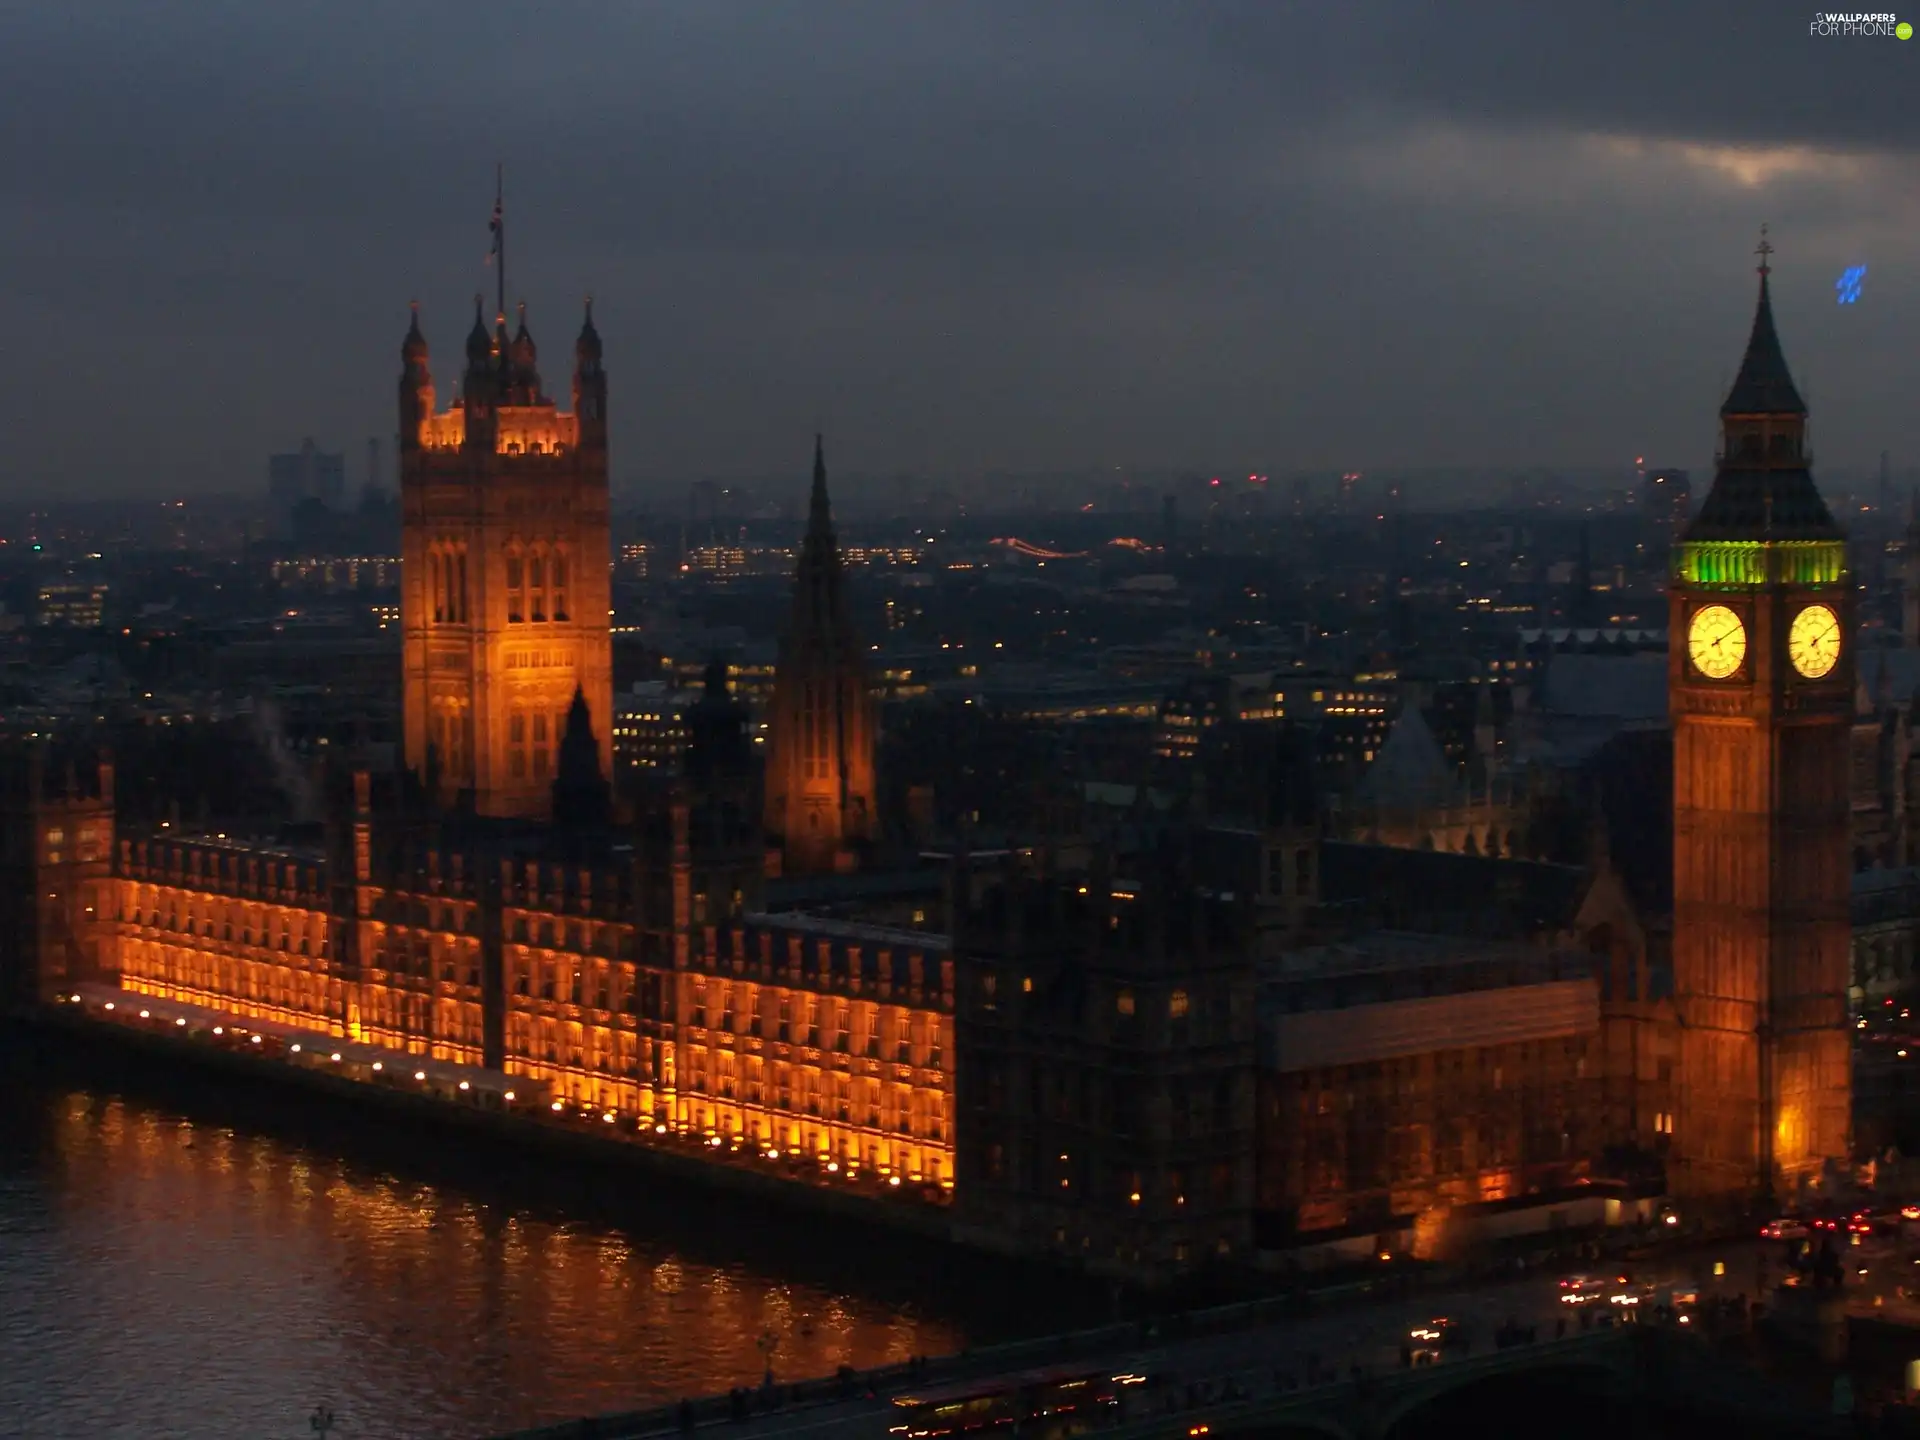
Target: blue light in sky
<point>1848,285</point>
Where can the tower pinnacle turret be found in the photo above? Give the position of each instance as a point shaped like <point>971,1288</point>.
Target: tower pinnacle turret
<point>506,550</point>
<point>479,343</point>
<point>589,384</point>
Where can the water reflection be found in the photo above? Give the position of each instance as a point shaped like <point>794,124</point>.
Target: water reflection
<point>170,1276</point>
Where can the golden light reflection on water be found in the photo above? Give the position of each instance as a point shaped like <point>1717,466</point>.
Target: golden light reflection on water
<point>169,1268</point>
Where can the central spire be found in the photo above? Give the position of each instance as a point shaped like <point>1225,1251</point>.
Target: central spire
<point>1764,386</point>
<point>820,802</point>
<point>819,509</point>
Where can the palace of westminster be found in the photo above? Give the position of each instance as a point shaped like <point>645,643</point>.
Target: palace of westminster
<point>1213,1032</point>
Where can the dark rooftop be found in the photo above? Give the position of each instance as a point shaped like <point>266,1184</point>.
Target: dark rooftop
<point>1435,890</point>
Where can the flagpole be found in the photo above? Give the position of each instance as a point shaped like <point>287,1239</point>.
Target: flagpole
<point>500,234</point>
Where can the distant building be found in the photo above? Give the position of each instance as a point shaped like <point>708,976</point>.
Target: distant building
<point>649,726</point>
<point>75,604</point>
<point>1666,497</point>
<point>636,560</point>
<point>308,475</point>
<point>1204,701</point>
<point>750,669</point>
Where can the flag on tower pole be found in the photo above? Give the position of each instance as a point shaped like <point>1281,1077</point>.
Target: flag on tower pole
<point>497,253</point>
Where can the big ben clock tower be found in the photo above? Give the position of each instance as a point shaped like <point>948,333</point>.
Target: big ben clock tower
<point>1761,689</point>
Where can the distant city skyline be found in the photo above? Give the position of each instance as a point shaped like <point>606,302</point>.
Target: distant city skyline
<point>865,496</point>
<point>962,241</point>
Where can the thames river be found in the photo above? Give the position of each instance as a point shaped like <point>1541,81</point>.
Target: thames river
<point>171,1266</point>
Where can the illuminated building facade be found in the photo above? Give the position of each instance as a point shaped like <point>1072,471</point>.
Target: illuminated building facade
<point>634,980</point>
<point>820,804</point>
<point>1405,1074</point>
<point>507,555</point>
<point>823,1037</point>
<point>1761,686</point>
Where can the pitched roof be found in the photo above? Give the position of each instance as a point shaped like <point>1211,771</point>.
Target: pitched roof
<point>1761,504</point>
<point>1435,890</point>
<point>1752,500</point>
<point>1615,687</point>
<point>1764,385</point>
<point>1410,769</point>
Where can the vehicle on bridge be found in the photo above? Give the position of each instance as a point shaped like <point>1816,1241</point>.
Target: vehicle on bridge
<point>1041,1405</point>
<point>1582,1290</point>
<point>1425,1342</point>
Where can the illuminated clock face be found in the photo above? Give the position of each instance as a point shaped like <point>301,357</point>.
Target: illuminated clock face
<point>1813,641</point>
<point>1716,641</point>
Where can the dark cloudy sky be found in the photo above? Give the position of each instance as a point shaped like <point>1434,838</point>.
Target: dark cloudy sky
<point>965,236</point>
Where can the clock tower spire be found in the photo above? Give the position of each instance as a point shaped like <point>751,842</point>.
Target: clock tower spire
<point>1761,685</point>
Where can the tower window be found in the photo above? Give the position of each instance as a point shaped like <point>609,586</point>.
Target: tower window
<point>434,589</point>
<point>560,587</point>
<point>537,583</point>
<point>516,590</point>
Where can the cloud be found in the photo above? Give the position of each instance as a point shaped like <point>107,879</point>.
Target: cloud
<point>997,233</point>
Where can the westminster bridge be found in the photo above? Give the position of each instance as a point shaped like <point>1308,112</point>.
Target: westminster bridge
<point>1223,1375</point>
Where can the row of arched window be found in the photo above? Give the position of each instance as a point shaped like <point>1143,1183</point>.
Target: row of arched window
<point>449,738</point>
<point>818,742</point>
<point>529,736</point>
<point>447,584</point>
<point>537,586</point>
